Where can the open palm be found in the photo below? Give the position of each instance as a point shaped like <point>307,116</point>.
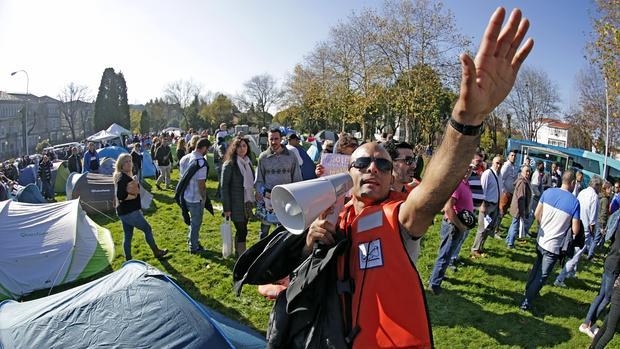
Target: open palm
<point>487,81</point>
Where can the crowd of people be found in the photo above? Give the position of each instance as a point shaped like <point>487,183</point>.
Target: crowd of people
<point>371,249</point>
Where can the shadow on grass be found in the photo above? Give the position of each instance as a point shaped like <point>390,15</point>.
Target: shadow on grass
<point>512,329</point>
<point>190,287</point>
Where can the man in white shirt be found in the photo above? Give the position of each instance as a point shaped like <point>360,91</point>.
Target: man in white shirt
<point>588,202</point>
<point>488,218</point>
<point>293,140</point>
<point>557,214</point>
<point>195,193</point>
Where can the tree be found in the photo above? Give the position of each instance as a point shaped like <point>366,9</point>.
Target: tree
<point>111,105</point>
<point>262,92</point>
<point>604,49</point>
<point>134,120</point>
<point>182,93</point>
<point>145,122</point>
<point>220,110</point>
<point>71,99</point>
<point>533,98</point>
<point>589,114</point>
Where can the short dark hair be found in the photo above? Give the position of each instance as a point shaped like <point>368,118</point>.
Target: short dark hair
<point>274,130</point>
<point>404,145</point>
<point>203,142</point>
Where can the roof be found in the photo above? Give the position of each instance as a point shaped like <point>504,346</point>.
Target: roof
<point>7,97</point>
<point>555,123</point>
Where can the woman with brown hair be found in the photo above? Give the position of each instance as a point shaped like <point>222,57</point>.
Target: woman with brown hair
<point>180,149</point>
<point>238,189</point>
<point>129,209</point>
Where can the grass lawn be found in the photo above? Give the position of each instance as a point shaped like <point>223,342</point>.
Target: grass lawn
<point>478,308</point>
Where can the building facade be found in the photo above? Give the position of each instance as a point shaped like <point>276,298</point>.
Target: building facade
<point>553,132</point>
<point>26,120</point>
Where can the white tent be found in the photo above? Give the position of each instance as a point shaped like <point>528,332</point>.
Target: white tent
<point>118,130</point>
<point>102,136</point>
<point>44,245</point>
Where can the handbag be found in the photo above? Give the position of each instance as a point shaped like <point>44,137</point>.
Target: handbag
<point>226,233</point>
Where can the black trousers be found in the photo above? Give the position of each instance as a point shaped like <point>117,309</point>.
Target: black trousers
<point>242,231</point>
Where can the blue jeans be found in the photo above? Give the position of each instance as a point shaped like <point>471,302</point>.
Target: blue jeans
<point>570,267</point>
<point>132,220</point>
<point>545,261</point>
<point>457,249</point>
<point>450,238</point>
<point>512,232</point>
<point>602,299</point>
<point>595,242</point>
<point>530,222</point>
<point>196,211</point>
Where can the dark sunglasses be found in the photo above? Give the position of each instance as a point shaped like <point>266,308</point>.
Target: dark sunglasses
<point>408,160</point>
<point>384,165</point>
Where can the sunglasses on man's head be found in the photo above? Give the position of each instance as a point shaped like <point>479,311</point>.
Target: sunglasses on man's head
<point>408,160</point>
<point>384,165</point>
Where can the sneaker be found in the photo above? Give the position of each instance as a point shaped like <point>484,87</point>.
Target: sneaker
<point>158,186</point>
<point>558,283</point>
<point>199,250</point>
<point>510,247</point>
<point>525,305</point>
<point>453,268</point>
<point>435,290</point>
<point>583,328</point>
<point>476,254</point>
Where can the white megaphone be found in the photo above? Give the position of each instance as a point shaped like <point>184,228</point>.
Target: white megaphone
<point>298,204</point>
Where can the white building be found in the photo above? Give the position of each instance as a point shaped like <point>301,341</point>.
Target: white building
<point>553,132</point>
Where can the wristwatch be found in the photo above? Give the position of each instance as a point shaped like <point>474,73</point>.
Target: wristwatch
<point>467,130</point>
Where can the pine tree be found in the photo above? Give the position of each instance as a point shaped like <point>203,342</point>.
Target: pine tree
<point>111,105</point>
<point>145,122</point>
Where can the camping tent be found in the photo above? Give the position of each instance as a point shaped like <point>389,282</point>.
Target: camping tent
<point>148,167</point>
<point>44,245</point>
<point>96,191</point>
<point>111,152</point>
<point>60,173</point>
<point>27,175</point>
<point>137,306</point>
<point>106,166</point>
<point>30,194</point>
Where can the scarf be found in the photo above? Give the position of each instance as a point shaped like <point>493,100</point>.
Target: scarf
<point>248,178</point>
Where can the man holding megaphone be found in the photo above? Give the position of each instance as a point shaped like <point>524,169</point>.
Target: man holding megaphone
<point>385,305</point>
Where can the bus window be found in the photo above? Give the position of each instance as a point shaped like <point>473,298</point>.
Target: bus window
<point>589,165</point>
<point>548,158</point>
<point>613,175</point>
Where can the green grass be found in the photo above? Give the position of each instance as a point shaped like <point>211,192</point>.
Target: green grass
<point>478,308</point>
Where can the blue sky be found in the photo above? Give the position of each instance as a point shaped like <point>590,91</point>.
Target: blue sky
<point>221,44</point>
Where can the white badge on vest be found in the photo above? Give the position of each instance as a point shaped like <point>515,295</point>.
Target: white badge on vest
<point>370,254</point>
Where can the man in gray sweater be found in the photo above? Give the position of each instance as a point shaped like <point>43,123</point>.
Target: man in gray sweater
<point>276,165</point>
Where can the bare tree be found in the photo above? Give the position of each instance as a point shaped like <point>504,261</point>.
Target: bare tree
<point>182,93</point>
<point>533,98</point>
<point>261,92</point>
<point>590,112</point>
<point>73,98</point>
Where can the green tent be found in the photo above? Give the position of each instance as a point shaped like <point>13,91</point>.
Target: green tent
<point>45,245</point>
<point>60,173</point>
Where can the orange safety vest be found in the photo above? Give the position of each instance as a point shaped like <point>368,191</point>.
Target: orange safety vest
<point>387,289</point>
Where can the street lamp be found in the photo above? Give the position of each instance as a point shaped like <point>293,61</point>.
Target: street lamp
<point>26,106</point>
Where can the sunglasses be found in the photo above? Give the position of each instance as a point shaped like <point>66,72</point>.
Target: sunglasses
<point>409,160</point>
<point>384,165</point>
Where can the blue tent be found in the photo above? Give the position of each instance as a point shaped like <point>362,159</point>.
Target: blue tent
<point>137,306</point>
<point>111,152</point>
<point>148,168</point>
<point>314,152</point>
<point>30,194</point>
<point>27,175</point>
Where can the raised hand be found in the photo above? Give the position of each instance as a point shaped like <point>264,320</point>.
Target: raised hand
<point>488,79</point>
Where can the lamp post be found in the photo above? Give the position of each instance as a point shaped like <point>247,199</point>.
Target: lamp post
<point>607,132</point>
<point>26,106</point>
